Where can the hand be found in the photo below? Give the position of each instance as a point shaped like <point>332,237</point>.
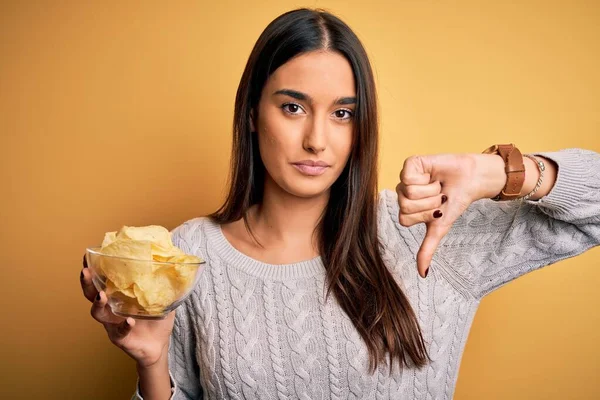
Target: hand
<point>146,342</point>
<point>437,189</point>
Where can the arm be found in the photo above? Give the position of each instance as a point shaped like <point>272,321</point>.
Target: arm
<point>155,381</point>
<point>178,372</point>
<point>493,243</point>
<point>180,365</point>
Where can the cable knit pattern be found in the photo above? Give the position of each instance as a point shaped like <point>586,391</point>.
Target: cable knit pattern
<point>301,340</point>
<point>273,337</point>
<point>206,332</point>
<point>248,348</point>
<point>251,330</point>
<point>360,384</point>
<point>223,305</point>
<point>330,331</point>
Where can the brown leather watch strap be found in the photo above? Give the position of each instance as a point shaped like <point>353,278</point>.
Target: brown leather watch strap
<point>514,167</point>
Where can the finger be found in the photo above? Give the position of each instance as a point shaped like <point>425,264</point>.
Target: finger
<point>89,290</point>
<point>85,265</point>
<point>416,171</point>
<point>101,312</point>
<point>416,192</point>
<point>433,237</point>
<point>420,217</point>
<point>408,206</point>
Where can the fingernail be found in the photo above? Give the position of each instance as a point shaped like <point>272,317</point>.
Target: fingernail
<point>98,297</point>
<point>81,276</point>
<point>426,272</point>
<point>444,198</point>
<point>84,262</point>
<point>437,214</point>
<point>127,322</point>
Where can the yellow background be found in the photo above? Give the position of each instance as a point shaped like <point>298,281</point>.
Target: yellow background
<point>118,113</point>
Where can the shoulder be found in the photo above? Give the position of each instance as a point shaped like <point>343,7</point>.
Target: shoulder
<point>191,234</point>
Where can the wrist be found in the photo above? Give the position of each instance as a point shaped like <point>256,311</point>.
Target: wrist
<point>531,176</point>
<point>492,174</point>
<point>154,379</point>
<point>539,179</point>
<point>157,364</point>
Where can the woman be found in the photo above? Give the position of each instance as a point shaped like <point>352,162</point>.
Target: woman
<point>315,286</point>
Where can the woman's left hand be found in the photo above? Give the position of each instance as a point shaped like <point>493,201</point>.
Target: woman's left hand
<point>437,189</point>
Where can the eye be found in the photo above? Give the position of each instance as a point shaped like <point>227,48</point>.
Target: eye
<point>291,108</point>
<point>344,114</point>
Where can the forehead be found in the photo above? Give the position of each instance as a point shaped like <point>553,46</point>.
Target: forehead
<point>321,74</point>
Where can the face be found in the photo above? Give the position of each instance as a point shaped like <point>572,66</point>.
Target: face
<point>305,123</point>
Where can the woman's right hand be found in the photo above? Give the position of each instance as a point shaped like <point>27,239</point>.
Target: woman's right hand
<point>146,341</point>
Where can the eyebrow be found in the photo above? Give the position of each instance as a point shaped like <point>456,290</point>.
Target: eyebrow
<point>304,97</point>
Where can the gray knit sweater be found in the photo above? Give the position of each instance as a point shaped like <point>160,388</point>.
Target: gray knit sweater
<point>252,330</point>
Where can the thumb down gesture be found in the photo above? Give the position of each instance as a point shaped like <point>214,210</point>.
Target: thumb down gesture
<point>437,189</point>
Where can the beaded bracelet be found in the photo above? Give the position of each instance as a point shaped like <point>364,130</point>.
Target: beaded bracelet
<point>541,167</point>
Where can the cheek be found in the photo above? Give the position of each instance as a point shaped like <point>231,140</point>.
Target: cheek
<point>267,140</point>
<point>278,138</point>
<point>343,145</point>
<point>271,149</point>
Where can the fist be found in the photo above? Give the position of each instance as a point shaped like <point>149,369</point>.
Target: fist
<point>436,190</point>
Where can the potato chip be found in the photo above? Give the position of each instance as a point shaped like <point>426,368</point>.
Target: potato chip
<point>111,289</point>
<point>162,254</point>
<point>153,233</point>
<point>124,272</point>
<point>157,290</point>
<point>109,237</point>
<point>151,285</point>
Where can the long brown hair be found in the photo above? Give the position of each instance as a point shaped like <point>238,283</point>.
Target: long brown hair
<point>349,245</point>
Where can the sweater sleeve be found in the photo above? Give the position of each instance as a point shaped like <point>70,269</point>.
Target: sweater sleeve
<point>493,243</point>
<point>183,366</point>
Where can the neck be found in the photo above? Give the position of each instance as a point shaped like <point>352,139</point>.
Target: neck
<point>284,220</point>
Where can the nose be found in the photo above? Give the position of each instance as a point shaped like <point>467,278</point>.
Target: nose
<point>316,138</point>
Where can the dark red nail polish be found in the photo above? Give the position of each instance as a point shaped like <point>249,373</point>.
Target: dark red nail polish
<point>84,262</point>
<point>98,297</point>
<point>437,214</point>
<point>444,198</point>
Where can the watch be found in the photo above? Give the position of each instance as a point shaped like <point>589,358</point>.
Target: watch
<point>514,167</point>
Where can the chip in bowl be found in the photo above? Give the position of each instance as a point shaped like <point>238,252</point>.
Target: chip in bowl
<point>143,274</point>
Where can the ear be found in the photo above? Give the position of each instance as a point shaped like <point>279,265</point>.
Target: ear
<point>252,126</point>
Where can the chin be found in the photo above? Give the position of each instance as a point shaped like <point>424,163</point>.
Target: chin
<point>307,188</point>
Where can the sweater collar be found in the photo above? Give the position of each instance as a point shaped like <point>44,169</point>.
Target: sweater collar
<point>225,250</point>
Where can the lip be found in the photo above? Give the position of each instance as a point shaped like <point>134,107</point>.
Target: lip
<point>312,163</point>
<point>311,168</point>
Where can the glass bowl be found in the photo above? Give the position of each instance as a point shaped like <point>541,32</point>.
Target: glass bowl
<point>142,289</point>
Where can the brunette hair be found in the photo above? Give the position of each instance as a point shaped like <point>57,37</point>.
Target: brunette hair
<point>349,246</point>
